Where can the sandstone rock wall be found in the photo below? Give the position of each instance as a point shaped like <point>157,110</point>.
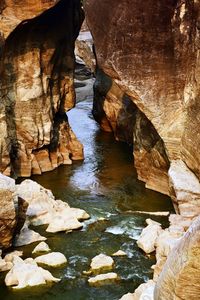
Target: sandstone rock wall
<point>36,85</point>
<point>180,276</point>
<point>150,50</point>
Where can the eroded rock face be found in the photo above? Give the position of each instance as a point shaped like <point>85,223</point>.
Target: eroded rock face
<point>180,276</point>
<point>36,86</point>
<point>150,51</point>
<point>12,211</point>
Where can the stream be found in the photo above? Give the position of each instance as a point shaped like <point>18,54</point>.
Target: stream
<point>105,185</point>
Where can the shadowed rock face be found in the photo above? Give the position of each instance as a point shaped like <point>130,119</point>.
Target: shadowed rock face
<point>150,50</point>
<point>36,86</point>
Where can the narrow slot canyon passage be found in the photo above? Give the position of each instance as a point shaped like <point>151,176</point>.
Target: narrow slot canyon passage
<point>105,185</point>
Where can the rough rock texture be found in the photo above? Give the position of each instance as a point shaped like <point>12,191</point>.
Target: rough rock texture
<point>149,52</point>
<point>36,85</point>
<point>12,211</point>
<point>180,276</point>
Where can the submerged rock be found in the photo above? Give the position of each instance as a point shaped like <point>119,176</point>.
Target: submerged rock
<point>41,247</point>
<point>27,274</point>
<point>103,279</point>
<point>53,259</point>
<point>101,262</point>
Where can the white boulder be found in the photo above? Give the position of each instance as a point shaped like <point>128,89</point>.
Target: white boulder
<point>53,259</point>
<point>102,262</point>
<point>103,279</point>
<point>149,236</point>
<point>41,247</point>
<point>24,274</point>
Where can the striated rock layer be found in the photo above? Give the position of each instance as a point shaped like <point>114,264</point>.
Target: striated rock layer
<point>148,83</point>
<point>36,85</point>
<point>180,276</point>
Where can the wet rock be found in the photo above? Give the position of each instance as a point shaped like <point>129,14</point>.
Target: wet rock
<point>148,237</point>
<point>25,274</point>
<point>53,259</point>
<point>101,262</point>
<point>103,279</point>
<point>41,247</point>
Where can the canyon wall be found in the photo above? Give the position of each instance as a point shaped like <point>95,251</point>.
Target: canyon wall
<point>148,53</point>
<point>36,85</point>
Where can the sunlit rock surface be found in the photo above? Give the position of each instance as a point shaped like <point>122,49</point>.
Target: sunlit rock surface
<point>147,52</point>
<point>103,279</point>
<point>27,274</point>
<point>180,276</point>
<point>53,259</point>
<point>36,85</point>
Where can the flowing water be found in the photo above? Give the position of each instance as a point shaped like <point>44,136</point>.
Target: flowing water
<point>106,186</point>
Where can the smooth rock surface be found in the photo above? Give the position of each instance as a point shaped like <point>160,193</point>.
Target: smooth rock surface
<point>26,274</point>
<point>103,279</point>
<point>27,236</point>
<point>148,237</point>
<point>53,259</point>
<point>41,247</point>
<point>101,262</point>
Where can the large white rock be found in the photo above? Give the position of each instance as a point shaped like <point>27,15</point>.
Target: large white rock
<point>145,291</point>
<point>27,236</point>
<point>103,279</point>
<point>101,262</point>
<point>149,235</point>
<point>53,259</point>
<point>41,247</point>
<point>10,256</point>
<point>44,209</point>
<point>64,223</point>
<point>25,274</point>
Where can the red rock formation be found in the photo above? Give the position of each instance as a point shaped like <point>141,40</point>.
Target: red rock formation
<point>36,86</point>
<point>150,51</point>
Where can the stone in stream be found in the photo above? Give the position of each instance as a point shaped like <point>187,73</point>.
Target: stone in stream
<point>101,262</point>
<point>119,253</point>
<point>44,209</point>
<point>41,247</point>
<point>103,279</point>
<point>144,292</point>
<point>27,236</point>
<point>149,235</point>
<point>53,259</point>
<point>27,274</point>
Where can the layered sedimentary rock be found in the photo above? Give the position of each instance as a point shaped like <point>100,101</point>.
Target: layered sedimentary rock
<point>12,211</point>
<point>180,276</point>
<point>150,52</point>
<point>36,85</point>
